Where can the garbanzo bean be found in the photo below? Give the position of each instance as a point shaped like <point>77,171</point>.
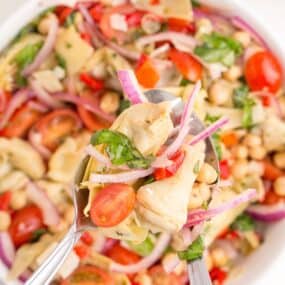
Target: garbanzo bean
<point>220,92</point>
<point>207,174</point>
<point>5,221</point>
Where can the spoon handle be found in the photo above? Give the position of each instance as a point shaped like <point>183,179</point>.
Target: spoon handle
<point>47,270</point>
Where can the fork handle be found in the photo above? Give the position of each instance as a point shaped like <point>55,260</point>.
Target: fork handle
<point>47,270</point>
<point>198,273</point>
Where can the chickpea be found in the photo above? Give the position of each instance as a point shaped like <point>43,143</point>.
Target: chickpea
<point>143,279</point>
<point>150,24</point>
<point>69,214</point>
<point>62,226</point>
<point>241,152</point>
<point>252,238</point>
<point>44,24</point>
<point>5,221</point>
<point>207,174</point>
<point>204,27</point>
<point>258,152</point>
<point>168,258</point>
<point>59,72</point>
<point>240,169</point>
<point>110,102</point>
<point>200,193</point>
<point>279,159</point>
<point>252,140</point>
<point>256,167</point>
<point>220,92</point>
<point>242,37</point>
<point>209,262</point>
<point>233,74</point>
<point>219,257</point>
<point>19,199</point>
<point>279,186</point>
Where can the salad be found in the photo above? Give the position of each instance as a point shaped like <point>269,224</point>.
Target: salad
<point>75,77</point>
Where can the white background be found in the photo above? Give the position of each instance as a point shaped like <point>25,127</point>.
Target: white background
<point>273,16</point>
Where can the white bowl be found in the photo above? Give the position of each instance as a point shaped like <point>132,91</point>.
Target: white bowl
<point>265,265</point>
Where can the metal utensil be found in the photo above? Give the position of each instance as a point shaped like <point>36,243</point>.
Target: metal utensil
<point>198,273</point>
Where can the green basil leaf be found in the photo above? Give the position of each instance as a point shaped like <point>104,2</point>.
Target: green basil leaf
<point>120,149</point>
<point>243,223</point>
<point>143,249</point>
<point>219,48</point>
<point>27,55</point>
<point>194,251</point>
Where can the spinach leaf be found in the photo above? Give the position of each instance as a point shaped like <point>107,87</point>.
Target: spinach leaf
<point>219,48</point>
<point>194,251</point>
<point>144,248</point>
<point>242,101</point>
<point>243,223</point>
<point>120,149</point>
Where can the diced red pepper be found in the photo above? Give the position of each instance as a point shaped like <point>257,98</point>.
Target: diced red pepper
<point>154,2</point>
<point>266,101</point>
<point>271,198</point>
<point>229,234</point>
<point>62,13</point>
<point>97,11</point>
<point>146,72</point>
<point>82,251</point>
<point>86,37</point>
<point>87,238</point>
<point>271,172</point>
<point>134,19</point>
<point>5,200</point>
<point>180,25</point>
<point>90,81</point>
<point>229,139</point>
<point>218,275</point>
<point>224,169</point>
<point>177,159</point>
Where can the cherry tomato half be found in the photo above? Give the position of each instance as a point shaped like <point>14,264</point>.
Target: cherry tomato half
<point>89,275</point>
<point>21,122</point>
<point>186,64</point>
<point>112,205</point>
<point>56,125</point>
<point>263,71</point>
<point>122,255</point>
<point>24,223</point>
<point>91,121</point>
<point>160,277</point>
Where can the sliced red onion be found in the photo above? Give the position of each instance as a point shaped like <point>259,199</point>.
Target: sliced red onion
<point>146,262</point>
<point>46,49</point>
<point>161,162</point>
<point>184,123</point>
<point>18,99</point>
<point>121,177</point>
<point>182,38</point>
<point>160,50</point>
<point>209,131</point>
<point>24,277</point>
<point>267,213</point>
<point>99,243</point>
<point>38,197</point>
<point>198,216</point>
<point>131,87</point>
<point>35,140</point>
<point>7,249</point>
<point>70,85</point>
<point>88,104</point>
<point>243,25</point>
<point>110,242</point>
<point>93,152</point>
<point>37,106</point>
<point>127,53</point>
<point>170,263</point>
<point>43,95</point>
<point>225,183</point>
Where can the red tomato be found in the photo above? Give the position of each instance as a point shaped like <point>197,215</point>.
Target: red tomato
<point>97,11</point>
<point>112,205</point>
<point>180,25</point>
<point>218,275</point>
<point>187,65</point>
<point>134,19</point>
<point>91,121</point>
<point>271,172</point>
<point>177,159</point>
<point>105,22</point>
<point>86,37</point>
<point>81,250</point>
<point>62,13</point>
<point>122,255</point>
<point>89,275</point>
<point>21,122</point>
<point>263,71</point>
<point>56,125</point>
<point>24,223</point>
<point>87,238</point>
<point>160,277</point>
<point>4,99</point>
<point>146,72</point>
<point>224,169</point>
<point>5,199</point>
<point>90,81</point>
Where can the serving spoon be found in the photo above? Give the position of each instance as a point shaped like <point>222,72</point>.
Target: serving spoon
<point>197,270</point>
